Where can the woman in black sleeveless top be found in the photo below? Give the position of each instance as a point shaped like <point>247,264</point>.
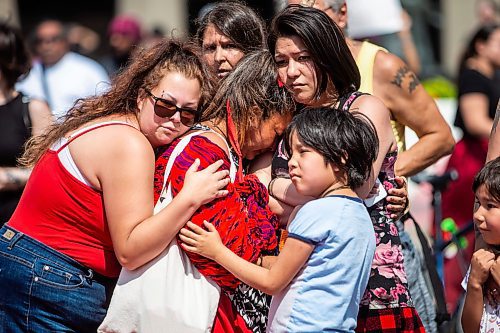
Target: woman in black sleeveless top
<point>19,119</point>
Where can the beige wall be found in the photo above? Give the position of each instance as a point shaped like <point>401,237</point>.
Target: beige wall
<point>8,10</point>
<point>170,15</point>
<point>459,20</point>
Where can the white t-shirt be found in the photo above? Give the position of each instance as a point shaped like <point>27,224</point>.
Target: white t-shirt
<point>369,18</point>
<point>71,78</point>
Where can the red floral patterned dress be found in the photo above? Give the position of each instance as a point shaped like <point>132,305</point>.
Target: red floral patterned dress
<point>242,218</point>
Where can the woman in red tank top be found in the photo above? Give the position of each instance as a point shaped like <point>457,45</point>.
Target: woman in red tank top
<point>83,217</point>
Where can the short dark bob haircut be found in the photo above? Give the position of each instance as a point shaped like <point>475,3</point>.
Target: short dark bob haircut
<point>338,135</point>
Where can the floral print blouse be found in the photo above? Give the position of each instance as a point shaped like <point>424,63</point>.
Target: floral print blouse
<point>387,286</point>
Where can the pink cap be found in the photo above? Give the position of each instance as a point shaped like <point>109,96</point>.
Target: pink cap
<point>125,25</point>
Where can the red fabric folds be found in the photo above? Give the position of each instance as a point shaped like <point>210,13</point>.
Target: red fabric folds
<point>243,220</point>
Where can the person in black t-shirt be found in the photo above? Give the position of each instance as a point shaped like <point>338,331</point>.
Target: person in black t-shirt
<point>19,119</point>
<point>478,95</point>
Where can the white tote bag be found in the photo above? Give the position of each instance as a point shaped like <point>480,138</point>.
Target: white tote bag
<point>168,294</point>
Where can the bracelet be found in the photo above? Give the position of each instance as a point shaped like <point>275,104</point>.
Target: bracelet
<point>259,261</point>
<point>270,187</point>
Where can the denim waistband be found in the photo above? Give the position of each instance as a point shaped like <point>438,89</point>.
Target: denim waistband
<point>12,237</point>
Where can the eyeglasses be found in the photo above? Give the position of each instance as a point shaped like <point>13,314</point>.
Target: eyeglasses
<point>167,109</point>
<point>48,40</point>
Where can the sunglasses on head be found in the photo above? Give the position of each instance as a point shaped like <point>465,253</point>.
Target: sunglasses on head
<point>166,109</point>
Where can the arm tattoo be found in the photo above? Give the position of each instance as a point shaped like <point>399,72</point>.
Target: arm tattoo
<point>413,83</point>
<point>495,121</point>
<point>400,76</point>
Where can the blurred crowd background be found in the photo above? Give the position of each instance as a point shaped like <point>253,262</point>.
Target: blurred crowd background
<point>439,27</point>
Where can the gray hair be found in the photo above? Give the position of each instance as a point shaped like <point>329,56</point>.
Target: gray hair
<point>334,4</point>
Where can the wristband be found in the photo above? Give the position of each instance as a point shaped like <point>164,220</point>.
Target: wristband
<point>259,261</point>
<point>270,187</point>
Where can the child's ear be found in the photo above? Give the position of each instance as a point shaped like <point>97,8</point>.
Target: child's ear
<point>335,167</point>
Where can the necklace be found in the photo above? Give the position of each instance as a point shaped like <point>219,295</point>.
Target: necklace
<point>218,129</point>
<point>342,187</point>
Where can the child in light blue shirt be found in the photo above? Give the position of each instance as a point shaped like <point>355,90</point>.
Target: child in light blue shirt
<point>322,271</point>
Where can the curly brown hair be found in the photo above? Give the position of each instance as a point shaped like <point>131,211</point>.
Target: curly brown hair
<point>145,71</point>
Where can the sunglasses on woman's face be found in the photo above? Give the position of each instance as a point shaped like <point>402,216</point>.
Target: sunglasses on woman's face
<point>167,109</point>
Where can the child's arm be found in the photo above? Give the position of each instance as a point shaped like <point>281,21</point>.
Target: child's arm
<point>271,281</point>
<point>494,287</point>
<point>282,188</point>
<point>481,262</point>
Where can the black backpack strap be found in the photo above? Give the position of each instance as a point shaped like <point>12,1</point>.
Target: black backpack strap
<point>26,113</point>
<point>442,313</point>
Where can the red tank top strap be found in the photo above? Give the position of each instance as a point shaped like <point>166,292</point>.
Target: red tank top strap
<point>89,129</point>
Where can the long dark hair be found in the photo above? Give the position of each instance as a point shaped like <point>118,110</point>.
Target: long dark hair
<point>14,56</point>
<point>324,41</point>
<point>347,139</point>
<point>253,92</point>
<point>481,35</point>
<point>145,71</point>
<point>238,22</point>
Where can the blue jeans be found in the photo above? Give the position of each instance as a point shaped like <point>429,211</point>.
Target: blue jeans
<point>42,290</point>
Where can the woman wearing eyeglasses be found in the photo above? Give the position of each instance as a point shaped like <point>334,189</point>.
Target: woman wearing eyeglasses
<point>87,209</point>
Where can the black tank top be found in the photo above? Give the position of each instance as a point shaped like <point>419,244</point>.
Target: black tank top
<point>15,129</point>
<point>279,165</point>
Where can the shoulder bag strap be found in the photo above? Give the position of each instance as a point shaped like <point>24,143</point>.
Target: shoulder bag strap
<point>26,113</point>
<point>442,314</point>
<point>165,195</point>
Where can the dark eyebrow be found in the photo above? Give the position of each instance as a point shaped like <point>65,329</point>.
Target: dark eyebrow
<point>293,53</point>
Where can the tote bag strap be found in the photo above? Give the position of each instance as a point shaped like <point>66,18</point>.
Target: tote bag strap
<point>166,196</point>
<point>233,168</point>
